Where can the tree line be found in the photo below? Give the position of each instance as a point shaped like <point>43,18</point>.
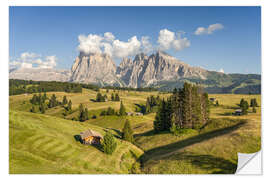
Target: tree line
<point>39,103</point>
<point>17,86</point>
<point>188,107</point>
<point>110,111</point>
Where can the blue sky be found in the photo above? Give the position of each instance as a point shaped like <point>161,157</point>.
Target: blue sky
<point>53,32</point>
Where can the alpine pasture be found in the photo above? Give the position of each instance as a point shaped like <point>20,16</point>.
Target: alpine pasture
<point>46,144</point>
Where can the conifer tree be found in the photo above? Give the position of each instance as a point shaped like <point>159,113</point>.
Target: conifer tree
<point>109,143</point>
<point>147,107</point>
<point>42,108</point>
<point>86,115</point>
<point>159,118</point>
<point>64,101</point>
<point>122,111</point>
<point>99,97</point>
<point>244,107</point>
<point>117,98</point>
<point>254,109</point>
<point>127,132</point>
<point>81,113</point>
<point>69,107</point>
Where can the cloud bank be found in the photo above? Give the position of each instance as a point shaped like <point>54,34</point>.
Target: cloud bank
<point>209,30</point>
<point>33,60</point>
<point>107,43</point>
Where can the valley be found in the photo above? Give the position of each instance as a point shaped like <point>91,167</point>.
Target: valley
<point>45,143</point>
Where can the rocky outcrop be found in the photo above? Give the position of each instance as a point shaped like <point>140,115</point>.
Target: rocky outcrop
<point>94,68</point>
<point>144,70</point>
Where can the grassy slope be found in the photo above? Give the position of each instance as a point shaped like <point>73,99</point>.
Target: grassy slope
<point>46,144</point>
<point>211,151</point>
<point>214,150</point>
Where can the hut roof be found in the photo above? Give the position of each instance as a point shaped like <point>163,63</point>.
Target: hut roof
<point>89,133</point>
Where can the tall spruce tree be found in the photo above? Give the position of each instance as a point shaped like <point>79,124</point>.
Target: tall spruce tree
<point>69,107</point>
<point>117,98</point>
<point>112,97</point>
<point>64,101</point>
<point>127,132</point>
<point>109,143</point>
<point>159,118</point>
<point>122,111</point>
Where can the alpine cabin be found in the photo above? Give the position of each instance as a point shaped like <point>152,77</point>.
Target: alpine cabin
<point>90,137</point>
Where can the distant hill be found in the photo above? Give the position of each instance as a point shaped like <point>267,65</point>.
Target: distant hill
<point>158,70</point>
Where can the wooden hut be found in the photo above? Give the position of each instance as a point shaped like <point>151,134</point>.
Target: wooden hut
<point>91,137</point>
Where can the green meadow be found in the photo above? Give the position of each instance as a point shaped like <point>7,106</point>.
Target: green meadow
<point>45,143</point>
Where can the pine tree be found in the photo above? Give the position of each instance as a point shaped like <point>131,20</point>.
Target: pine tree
<point>122,111</point>
<point>64,101</point>
<point>241,102</point>
<point>127,132</point>
<point>69,107</point>
<point>99,97</point>
<point>109,143</point>
<point>81,113</point>
<point>187,106</point>
<point>112,97</point>
<point>42,108</point>
<point>147,106</point>
<point>117,98</point>
<point>158,122</point>
<point>244,107</point>
<point>86,115</point>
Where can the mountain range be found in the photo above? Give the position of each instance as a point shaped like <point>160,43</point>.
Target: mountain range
<point>158,70</point>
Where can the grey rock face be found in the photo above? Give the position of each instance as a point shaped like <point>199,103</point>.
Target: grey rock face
<point>94,68</point>
<point>144,70</point>
<point>39,74</point>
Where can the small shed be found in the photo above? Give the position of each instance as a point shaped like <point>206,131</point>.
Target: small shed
<point>91,137</point>
<point>238,112</point>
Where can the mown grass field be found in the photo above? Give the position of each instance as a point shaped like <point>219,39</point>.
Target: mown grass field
<point>45,143</point>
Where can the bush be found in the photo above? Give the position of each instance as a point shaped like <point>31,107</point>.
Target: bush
<point>94,117</point>
<point>109,143</point>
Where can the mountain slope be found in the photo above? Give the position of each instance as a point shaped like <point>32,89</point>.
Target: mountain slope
<point>41,144</point>
<point>94,68</point>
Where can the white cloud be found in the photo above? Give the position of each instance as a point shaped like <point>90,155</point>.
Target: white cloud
<point>146,45</point>
<point>211,28</point>
<point>30,60</point>
<point>109,36</point>
<point>123,49</point>
<point>27,55</point>
<point>168,39</point>
<point>90,44</point>
<point>109,44</point>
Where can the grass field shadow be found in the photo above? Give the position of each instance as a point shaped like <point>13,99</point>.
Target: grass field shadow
<point>161,151</point>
